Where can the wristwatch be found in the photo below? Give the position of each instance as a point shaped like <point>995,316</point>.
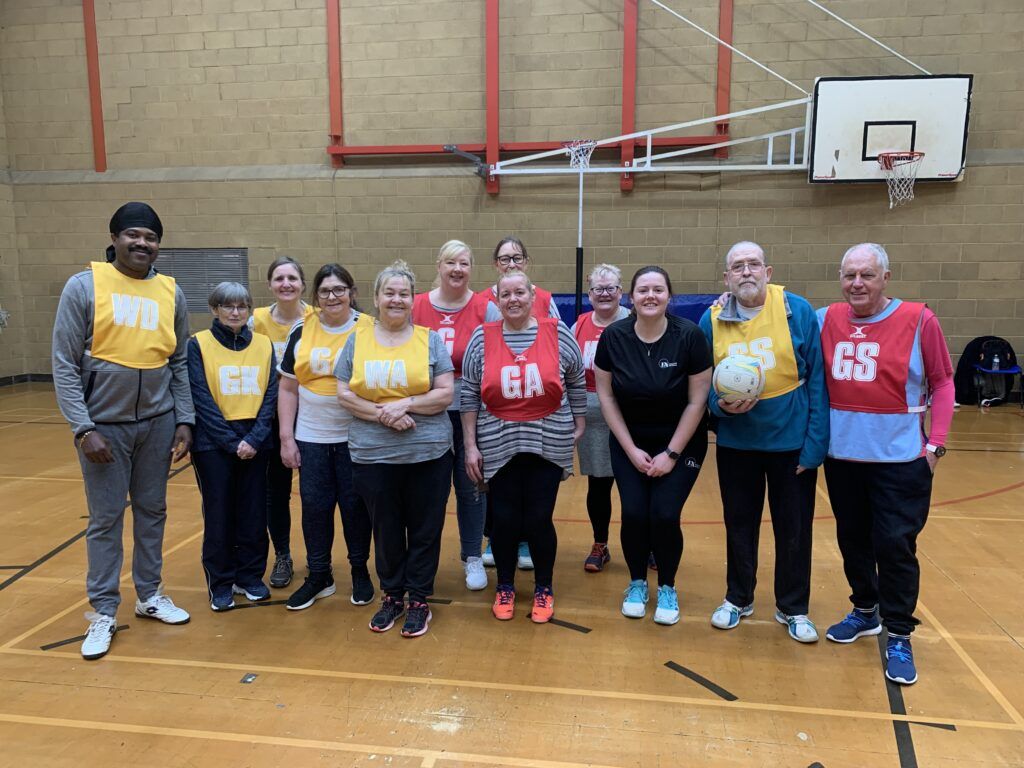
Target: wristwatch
<point>672,454</point>
<point>938,450</point>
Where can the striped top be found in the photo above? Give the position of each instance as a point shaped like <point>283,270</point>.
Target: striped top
<point>550,437</point>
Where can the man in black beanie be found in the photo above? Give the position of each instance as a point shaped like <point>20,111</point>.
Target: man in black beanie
<point>120,372</point>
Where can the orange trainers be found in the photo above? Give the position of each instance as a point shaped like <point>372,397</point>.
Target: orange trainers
<point>504,603</point>
<point>543,605</point>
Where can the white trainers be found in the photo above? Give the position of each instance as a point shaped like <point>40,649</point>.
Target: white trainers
<point>634,600</point>
<point>101,632</point>
<point>525,559</point>
<point>476,576</point>
<point>801,628</point>
<point>162,608</point>
<point>727,615</point>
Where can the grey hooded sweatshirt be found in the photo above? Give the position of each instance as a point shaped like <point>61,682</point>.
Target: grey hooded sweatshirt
<point>93,392</point>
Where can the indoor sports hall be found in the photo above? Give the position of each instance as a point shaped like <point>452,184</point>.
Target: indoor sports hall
<point>626,132</point>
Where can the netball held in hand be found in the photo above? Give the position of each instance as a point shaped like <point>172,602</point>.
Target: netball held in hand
<point>738,377</point>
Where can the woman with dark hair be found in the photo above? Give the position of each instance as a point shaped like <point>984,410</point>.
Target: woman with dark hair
<point>454,311</point>
<point>234,389</point>
<point>524,398</point>
<point>396,379</point>
<point>653,373</point>
<point>286,281</point>
<point>314,439</point>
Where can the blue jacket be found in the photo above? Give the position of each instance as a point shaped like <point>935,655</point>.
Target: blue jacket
<point>798,420</point>
<point>212,430</point>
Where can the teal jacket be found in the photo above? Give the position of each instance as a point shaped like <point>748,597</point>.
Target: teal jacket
<point>796,421</point>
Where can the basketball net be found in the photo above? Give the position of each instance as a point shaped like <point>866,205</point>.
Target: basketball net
<point>579,153</point>
<point>900,171</point>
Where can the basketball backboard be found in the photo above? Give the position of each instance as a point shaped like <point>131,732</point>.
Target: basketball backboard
<point>855,118</point>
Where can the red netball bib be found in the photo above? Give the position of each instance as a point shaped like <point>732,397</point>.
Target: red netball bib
<point>587,335</point>
<point>526,386</point>
<point>454,328</point>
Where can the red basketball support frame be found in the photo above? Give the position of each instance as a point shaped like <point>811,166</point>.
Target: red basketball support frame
<point>492,147</point>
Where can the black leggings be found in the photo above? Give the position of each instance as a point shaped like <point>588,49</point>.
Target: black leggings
<point>599,505</point>
<point>652,508</point>
<point>522,497</point>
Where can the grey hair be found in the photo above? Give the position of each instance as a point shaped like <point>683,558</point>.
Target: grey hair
<point>876,250</point>
<point>453,248</point>
<point>230,293</point>
<point>743,245</point>
<point>398,268</point>
<point>605,269</point>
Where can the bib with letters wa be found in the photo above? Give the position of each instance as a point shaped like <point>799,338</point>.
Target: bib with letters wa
<point>383,374</point>
<point>765,337</point>
<point>263,322</point>
<point>133,322</point>
<point>318,353</point>
<point>236,379</point>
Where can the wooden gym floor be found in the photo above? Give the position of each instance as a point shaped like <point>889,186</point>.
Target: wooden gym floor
<point>265,687</point>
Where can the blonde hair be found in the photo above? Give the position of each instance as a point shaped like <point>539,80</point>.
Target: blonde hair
<point>513,272</point>
<point>453,248</point>
<point>398,268</point>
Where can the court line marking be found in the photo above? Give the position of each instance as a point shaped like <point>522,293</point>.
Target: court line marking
<point>984,495</point>
<point>971,518</point>
<point>39,561</point>
<point>55,478</point>
<point>965,657</point>
<point>431,755</point>
<point>126,574</point>
<point>30,421</point>
<point>489,685</point>
<point>900,730</point>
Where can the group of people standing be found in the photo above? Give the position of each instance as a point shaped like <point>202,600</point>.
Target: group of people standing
<point>491,393</point>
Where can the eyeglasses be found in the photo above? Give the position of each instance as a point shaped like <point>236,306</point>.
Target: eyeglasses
<point>605,290</point>
<point>740,266</point>
<point>229,308</point>
<point>517,258</point>
<point>326,293</point>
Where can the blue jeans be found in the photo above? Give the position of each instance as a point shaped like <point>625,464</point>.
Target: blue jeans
<point>325,481</point>
<point>470,505</point>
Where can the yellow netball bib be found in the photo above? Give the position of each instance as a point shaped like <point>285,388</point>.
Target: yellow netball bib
<point>318,353</point>
<point>765,337</point>
<point>383,374</point>
<point>236,379</point>
<point>263,322</point>
<point>133,323</point>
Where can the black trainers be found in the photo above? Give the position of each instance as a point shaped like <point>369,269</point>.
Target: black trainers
<point>384,619</point>
<point>281,575</point>
<point>362,587</point>
<point>312,589</point>
<point>417,621</point>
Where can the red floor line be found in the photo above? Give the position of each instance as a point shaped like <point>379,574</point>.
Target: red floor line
<point>985,495</point>
<point>765,521</point>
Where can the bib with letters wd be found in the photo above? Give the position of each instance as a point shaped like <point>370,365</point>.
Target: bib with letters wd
<point>454,328</point>
<point>237,379</point>
<point>383,374</point>
<point>133,323</point>
<point>263,322</point>
<point>317,353</point>
<point>765,337</point>
<point>867,364</point>
<point>525,386</point>
<point>588,334</point>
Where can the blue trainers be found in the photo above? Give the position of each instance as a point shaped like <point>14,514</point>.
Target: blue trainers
<point>801,628</point>
<point>525,562</point>
<point>727,615</point>
<point>488,556</point>
<point>857,623</point>
<point>255,592</point>
<point>634,603</point>
<point>899,660</point>
<point>667,611</point>
<point>222,600</point>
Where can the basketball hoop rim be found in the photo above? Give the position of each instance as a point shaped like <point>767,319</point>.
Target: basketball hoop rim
<point>889,160</point>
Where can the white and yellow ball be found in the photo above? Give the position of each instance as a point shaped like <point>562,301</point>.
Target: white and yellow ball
<point>738,377</point>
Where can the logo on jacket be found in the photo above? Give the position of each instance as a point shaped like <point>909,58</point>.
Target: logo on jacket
<point>447,319</point>
<point>858,332</point>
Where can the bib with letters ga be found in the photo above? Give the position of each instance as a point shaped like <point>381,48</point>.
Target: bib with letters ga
<point>383,374</point>
<point>263,322</point>
<point>237,379</point>
<point>317,353</point>
<point>765,337</point>
<point>133,322</point>
<point>867,364</point>
<point>455,328</point>
<point>524,386</point>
